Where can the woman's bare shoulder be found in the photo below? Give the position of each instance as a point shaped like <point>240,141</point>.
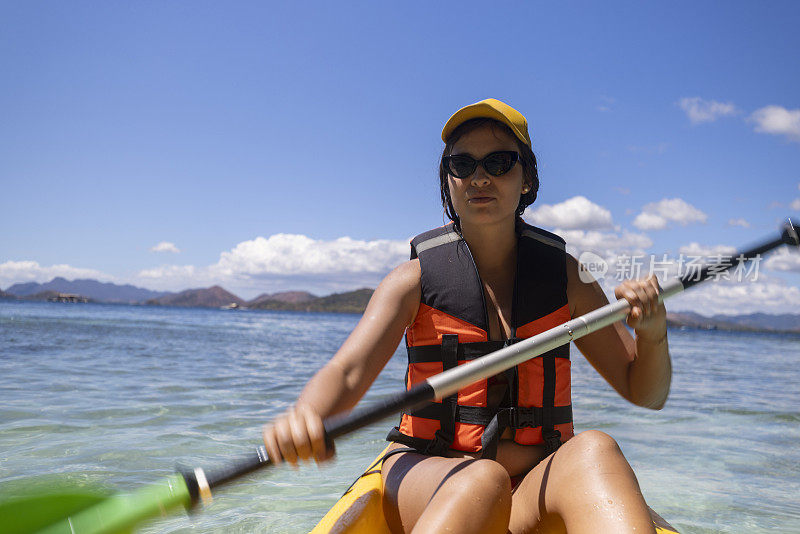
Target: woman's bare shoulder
<point>400,290</point>
<point>407,274</point>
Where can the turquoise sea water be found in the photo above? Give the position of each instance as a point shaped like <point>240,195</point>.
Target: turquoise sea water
<point>118,395</point>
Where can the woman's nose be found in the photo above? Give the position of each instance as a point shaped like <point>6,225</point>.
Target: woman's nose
<point>479,177</point>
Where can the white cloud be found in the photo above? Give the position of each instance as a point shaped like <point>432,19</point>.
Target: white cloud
<point>768,295</point>
<point>696,249</point>
<point>649,221</point>
<point>699,110</point>
<point>605,244</point>
<point>287,261</point>
<point>657,215</point>
<point>795,205</point>
<point>165,246</point>
<point>784,259</point>
<point>777,120</point>
<point>299,254</point>
<point>574,213</point>
<point>13,272</point>
<point>738,222</point>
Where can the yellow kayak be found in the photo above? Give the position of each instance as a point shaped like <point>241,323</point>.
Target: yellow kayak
<point>360,510</point>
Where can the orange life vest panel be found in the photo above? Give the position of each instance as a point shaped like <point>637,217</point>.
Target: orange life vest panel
<point>451,328</point>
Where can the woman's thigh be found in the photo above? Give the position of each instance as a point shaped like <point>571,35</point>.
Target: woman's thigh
<point>583,487</point>
<point>472,495</point>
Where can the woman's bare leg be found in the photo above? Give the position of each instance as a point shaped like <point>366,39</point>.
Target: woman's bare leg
<point>425,494</point>
<point>586,486</point>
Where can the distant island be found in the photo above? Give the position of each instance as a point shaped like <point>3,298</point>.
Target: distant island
<point>349,302</point>
<point>60,289</point>
<point>210,297</point>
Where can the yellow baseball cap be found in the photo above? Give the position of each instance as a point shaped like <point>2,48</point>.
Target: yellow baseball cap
<point>490,108</point>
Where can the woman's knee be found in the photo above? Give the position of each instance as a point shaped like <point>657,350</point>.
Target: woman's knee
<point>488,476</point>
<point>484,484</point>
<point>592,448</point>
<point>478,478</point>
<point>595,442</point>
<point>589,462</point>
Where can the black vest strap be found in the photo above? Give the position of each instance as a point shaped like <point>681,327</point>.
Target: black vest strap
<point>447,432</point>
<point>491,435</point>
<point>466,351</point>
<point>551,436</point>
<point>472,415</point>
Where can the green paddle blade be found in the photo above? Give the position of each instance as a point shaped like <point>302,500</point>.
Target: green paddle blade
<point>32,513</point>
<point>91,513</point>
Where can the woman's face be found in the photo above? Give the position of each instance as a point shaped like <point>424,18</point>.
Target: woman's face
<point>482,198</point>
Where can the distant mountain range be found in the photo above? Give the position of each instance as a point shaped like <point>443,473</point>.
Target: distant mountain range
<point>92,289</point>
<point>754,322</point>
<point>211,297</point>
<point>348,302</point>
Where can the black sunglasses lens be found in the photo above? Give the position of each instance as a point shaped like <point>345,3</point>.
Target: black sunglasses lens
<point>498,163</point>
<point>461,166</point>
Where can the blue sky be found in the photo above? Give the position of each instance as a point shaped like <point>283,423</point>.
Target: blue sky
<point>294,145</point>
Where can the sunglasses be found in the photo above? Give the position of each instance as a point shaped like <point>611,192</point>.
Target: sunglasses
<point>496,163</point>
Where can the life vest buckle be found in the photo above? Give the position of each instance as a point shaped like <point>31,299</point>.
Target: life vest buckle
<point>522,417</point>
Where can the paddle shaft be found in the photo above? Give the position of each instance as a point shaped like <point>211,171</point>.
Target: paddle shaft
<point>449,382</point>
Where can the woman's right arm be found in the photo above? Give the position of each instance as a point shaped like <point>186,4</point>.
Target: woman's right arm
<point>339,385</point>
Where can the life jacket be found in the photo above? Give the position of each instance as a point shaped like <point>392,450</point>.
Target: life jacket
<point>452,328</point>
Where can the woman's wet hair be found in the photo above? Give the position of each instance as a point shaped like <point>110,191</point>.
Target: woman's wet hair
<point>526,158</point>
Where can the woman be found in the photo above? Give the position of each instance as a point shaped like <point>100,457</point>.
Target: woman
<point>472,286</point>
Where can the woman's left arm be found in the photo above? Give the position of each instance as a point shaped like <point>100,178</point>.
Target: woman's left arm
<point>640,370</point>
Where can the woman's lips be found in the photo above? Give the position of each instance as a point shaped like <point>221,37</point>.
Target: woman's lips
<point>480,200</point>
